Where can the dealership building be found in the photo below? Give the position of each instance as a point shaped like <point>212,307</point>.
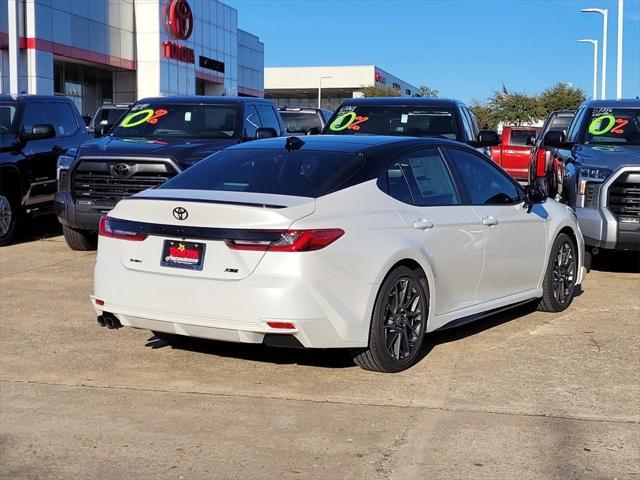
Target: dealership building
<point>121,50</point>
<point>299,86</point>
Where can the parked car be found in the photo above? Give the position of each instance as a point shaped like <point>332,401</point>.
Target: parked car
<point>543,166</point>
<point>599,162</point>
<point>410,116</point>
<point>34,131</point>
<point>513,153</point>
<point>157,139</point>
<point>106,117</point>
<point>324,241</point>
<point>303,120</point>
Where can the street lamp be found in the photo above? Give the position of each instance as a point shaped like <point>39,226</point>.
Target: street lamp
<point>595,64</point>
<point>619,66</point>
<point>605,13</point>
<point>320,90</point>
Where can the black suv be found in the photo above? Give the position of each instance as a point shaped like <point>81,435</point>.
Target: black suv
<point>157,139</point>
<point>106,117</point>
<point>410,116</point>
<point>304,120</point>
<point>34,131</point>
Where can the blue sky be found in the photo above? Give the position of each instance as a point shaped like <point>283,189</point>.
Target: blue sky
<point>464,48</point>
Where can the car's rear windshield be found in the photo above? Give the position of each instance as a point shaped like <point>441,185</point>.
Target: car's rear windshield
<point>7,113</point>
<point>300,122</point>
<point>521,138</point>
<point>300,173</point>
<point>613,126</point>
<point>394,120</point>
<point>110,116</point>
<point>159,120</point>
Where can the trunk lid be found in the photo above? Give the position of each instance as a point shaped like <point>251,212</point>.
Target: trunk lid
<point>208,218</point>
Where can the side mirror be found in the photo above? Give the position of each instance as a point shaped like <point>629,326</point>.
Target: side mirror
<point>313,131</point>
<point>266,132</point>
<point>102,130</point>
<point>556,139</point>
<point>39,132</point>
<point>486,138</point>
<point>533,195</point>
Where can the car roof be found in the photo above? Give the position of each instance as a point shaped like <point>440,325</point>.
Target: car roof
<point>25,97</point>
<point>622,103</point>
<point>414,101</point>
<point>345,143</point>
<point>204,99</point>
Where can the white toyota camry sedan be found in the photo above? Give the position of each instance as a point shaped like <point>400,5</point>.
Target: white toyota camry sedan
<point>365,243</point>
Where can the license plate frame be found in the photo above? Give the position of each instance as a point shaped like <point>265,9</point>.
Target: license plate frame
<point>183,256</point>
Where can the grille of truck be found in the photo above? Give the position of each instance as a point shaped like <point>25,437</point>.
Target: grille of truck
<point>624,195</point>
<point>112,179</point>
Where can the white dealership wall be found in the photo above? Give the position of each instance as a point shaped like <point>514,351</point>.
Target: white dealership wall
<point>122,41</point>
<point>298,86</point>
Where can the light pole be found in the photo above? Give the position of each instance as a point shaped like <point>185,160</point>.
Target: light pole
<point>605,14</point>
<point>320,90</point>
<point>595,64</point>
<point>619,66</point>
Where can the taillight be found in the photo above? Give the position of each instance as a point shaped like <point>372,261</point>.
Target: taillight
<point>108,229</point>
<point>541,163</point>
<point>290,241</point>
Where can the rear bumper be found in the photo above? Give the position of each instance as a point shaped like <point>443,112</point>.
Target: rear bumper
<point>325,314</point>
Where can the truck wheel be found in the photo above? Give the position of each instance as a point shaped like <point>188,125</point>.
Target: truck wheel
<point>398,324</point>
<point>10,216</point>
<point>559,282</point>
<point>80,240</point>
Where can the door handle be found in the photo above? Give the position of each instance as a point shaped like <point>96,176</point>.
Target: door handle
<point>422,224</point>
<point>490,220</point>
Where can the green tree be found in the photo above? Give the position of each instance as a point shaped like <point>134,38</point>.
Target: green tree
<point>515,108</point>
<point>428,92</point>
<point>381,92</point>
<point>560,97</point>
<point>485,115</point>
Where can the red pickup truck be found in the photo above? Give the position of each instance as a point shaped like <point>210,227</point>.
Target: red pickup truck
<point>514,152</point>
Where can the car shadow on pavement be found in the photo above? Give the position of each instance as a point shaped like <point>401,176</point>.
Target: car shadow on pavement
<point>618,262</point>
<point>37,228</point>
<point>330,358</point>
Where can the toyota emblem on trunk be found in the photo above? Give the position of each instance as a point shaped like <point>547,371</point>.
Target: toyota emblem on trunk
<point>180,213</point>
<point>122,170</point>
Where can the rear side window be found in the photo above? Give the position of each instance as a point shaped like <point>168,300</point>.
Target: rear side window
<point>268,117</point>
<point>64,120</point>
<point>34,113</point>
<point>301,173</point>
<point>396,184</point>
<point>300,122</point>
<point>522,138</point>
<point>429,178</point>
<point>485,184</point>
<point>251,121</point>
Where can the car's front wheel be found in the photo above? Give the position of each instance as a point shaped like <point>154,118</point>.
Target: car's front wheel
<point>80,240</point>
<point>559,282</point>
<point>398,323</point>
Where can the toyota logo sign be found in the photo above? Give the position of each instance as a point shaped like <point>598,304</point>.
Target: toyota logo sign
<point>122,170</point>
<point>178,19</point>
<point>180,213</point>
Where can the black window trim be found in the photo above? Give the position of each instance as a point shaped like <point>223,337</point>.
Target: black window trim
<point>458,177</point>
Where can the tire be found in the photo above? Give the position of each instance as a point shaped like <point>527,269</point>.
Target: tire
<point>80,240</point>
<point>559,282</point>
<point>10,217</point>
<point>397,331</point>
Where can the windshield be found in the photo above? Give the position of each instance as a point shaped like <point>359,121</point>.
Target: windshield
<point>394,120</point>
<point>613,126</point>
<point>298,173</point>
<point>300,122</point>
<point>179,120</point>
<point>7,113</point>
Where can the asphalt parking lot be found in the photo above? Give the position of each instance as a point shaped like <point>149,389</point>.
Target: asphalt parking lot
<point>520,395</point>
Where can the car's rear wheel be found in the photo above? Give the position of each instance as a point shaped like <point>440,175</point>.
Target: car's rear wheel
<point>560,279</point>
<point>9,217</point>
<point>398,323</point>
<point>80,240</point>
